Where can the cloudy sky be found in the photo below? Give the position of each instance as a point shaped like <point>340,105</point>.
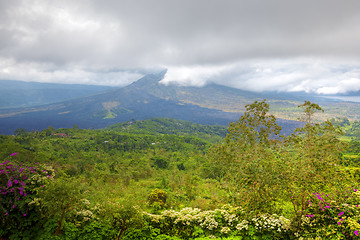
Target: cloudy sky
<point>255,45</point>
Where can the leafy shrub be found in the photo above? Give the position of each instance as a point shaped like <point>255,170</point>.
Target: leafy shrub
<point>157,198</point>
<point>19,184</point>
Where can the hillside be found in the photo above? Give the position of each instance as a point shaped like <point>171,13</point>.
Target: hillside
<point>149,98</point>
<point>101,110</point>
<point>155,126</point>
<point>161,172</point>
<point>25,94</point>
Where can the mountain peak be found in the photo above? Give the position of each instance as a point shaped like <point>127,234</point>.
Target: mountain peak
<point>149,80</point>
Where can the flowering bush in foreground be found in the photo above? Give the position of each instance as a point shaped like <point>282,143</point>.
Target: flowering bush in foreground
<point>18,185</point>
<point>332,219</point>
<point>224,222</point>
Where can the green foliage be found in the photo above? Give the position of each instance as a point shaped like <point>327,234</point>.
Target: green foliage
<point>262,170</point>
<point>19,184</point>
<point>314,154</point>
<point>157,198</point>
<point>171,126</point>
<point>20,131</point>
<point>160,162</point>
<point>60,197</point>
<point>248,158</point>
<point>104,179</point>
<point>123,216</point>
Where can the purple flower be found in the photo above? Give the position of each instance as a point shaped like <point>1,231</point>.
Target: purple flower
<point>341,213</point>
<point>6,213</point>
<point>13,154</point>
<point>318,196</point>
<point>24,214</point>
<point>21,189</point>
<point>356,232</point>
<point>9,184</point>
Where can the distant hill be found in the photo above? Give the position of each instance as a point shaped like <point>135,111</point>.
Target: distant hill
<point>213,96</point>
<point>155,126</point>
<point>104,109</point>
<point>15,94</point>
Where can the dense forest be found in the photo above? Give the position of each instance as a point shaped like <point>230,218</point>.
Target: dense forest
<point>169,179</point>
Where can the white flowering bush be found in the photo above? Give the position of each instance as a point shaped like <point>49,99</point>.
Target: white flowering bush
<point>224,222</point>
<point>83,212</point>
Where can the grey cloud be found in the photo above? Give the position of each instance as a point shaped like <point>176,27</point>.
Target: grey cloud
<point>202,34</point>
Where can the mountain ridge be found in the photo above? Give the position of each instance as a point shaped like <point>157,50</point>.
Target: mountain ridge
<point>148,98</point>
<point>15,94</point>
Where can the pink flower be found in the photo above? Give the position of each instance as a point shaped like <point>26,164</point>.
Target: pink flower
<point>356,232</point>
<point>318,196</point>
<point>13,154</point>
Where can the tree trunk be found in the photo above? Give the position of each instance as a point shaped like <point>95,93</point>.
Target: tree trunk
<point>121,233</point>
<point>60,223</point>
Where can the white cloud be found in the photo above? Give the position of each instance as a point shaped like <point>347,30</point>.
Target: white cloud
<point>43,72</point>
<point>193,75</point>
<point>290,75</point>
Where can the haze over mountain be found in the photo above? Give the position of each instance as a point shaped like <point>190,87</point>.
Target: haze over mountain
<point>148,97</point>
<point>25,94</point>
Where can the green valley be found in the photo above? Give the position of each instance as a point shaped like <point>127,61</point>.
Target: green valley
<point>162,178</point>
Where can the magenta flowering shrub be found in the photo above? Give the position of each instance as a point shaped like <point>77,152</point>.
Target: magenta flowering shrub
<point>18,186</point>
<point>332,216</point>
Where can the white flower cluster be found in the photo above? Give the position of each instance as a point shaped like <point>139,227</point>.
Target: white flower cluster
<point>186,216</point>
<point>205,219</point>
<point>48,172</point>
<point>154,217</point>
<point>244,224</point>
<point>84,212</point>
<point>222,220</point>
<point>86,215</point>
<point>225,230</point>
<point>267,222</point>
<point>209,221</point>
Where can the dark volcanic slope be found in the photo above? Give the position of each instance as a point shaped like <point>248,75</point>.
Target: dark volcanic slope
<point>98,111</point>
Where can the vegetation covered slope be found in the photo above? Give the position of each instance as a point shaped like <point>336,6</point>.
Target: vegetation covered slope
<point>171,126</point>
<point>72,183</point>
